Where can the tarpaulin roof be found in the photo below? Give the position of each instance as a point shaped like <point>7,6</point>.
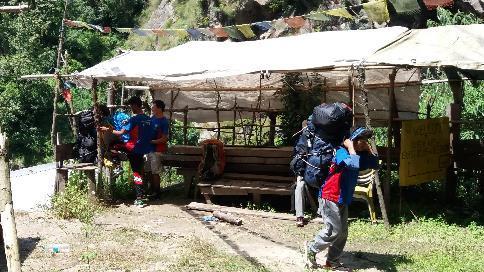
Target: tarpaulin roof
<point>461,46</point>
<point>458,46</point>
<point>209,59</point>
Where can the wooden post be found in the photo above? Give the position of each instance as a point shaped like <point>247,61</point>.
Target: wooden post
<point>98,186</point>
<point>218,115</point>
<point>6,207</point>
<point>185,126</point>
<point>62,175</point>
<point>110,96</point>
<point>391,94</point>
<point>58,79</point>
<point>272,129</point>
<point>234,122</point>
<point>366,112</point>
<point>455,112</point>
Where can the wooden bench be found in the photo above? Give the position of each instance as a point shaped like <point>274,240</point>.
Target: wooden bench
<point>64,154</point>
<point>248,170</point>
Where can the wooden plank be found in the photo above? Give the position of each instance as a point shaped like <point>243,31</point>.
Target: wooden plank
<point>64,152</point>
<point>14,9</point>
<point>283,152</point>
<point>238,176</point>
<point>259,160</point>
<point>279,170</point>
<point>212,208</point>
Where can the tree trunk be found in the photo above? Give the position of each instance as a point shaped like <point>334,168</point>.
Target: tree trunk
<point>7,214</point>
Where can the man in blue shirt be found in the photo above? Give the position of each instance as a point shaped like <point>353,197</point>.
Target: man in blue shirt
<point>160,127</point>
<point>140,134</point>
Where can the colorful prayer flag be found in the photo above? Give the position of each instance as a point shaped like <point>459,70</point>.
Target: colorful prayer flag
<point>318,16</point>
<point>263,26</point>
<point>181,33</point>
<point>405,6</point>
<point>354,10</point>
<point>246,31</point>
<point>124,29</point>
<point>434,4</point>
<point>194,33</point>
<point>139,31</point>
<point>295,22</point>
<point>377,11</point>
<point>219,32</point>
<point>206,32</point>
<point>234,33</point>
<point>279,26</point>
<point>340,12</point>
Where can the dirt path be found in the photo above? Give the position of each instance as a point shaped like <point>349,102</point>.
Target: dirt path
<point>126,238</point>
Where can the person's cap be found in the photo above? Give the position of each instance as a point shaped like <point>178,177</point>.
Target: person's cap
<point>134,100</point>
<point>361,133</point>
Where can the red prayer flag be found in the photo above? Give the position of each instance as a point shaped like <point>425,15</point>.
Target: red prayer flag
<point>66,93</point>
<point>219,32</point>
<point>433,4</point>
<point>295,22</point>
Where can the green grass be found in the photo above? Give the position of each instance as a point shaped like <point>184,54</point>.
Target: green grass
<point>421,245</point>
<point>202,256</point>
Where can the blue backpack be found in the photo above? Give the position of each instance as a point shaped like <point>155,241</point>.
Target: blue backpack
<point>119,121</point>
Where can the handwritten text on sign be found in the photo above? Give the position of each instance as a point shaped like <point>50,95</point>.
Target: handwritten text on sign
<point>425,153</point>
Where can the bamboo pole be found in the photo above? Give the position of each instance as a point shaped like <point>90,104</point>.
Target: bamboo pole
<point>366,112</point>
<point>391,94</point>
<point>93,188</point>
<point>7,215</point>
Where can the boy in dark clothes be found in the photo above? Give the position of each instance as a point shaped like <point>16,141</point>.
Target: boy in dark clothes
<point>140,135</point>
<point>335,196</point>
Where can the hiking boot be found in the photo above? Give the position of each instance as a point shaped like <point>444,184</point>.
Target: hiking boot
<point>300,222</point>
<point>336,266</point>
<point>139,203</point>
<point>309,257</point>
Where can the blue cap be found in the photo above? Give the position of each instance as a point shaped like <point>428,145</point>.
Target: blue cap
<point>361,132</point>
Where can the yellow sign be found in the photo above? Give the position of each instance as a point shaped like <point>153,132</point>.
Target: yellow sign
<point>425,151</point>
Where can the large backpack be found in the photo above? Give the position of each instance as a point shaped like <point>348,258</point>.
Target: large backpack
<point>332,122</point>
<point>326,128</point>
<point>212,164</point>
<point>85,149</point>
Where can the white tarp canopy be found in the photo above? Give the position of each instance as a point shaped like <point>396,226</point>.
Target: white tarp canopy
<point>209,59</point>
<point>407,92</point>
<point>461,46</point>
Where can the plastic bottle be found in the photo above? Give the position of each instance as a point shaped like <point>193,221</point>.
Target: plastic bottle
<point>59,248</point>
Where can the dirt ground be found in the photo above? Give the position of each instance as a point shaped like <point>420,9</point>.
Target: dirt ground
<point>155,238</point>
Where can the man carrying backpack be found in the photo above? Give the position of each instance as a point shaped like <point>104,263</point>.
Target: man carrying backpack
<point>160,127</point>
<point>140,135</point>
<point>335,196</point>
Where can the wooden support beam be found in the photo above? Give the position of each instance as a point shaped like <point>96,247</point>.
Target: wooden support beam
<point>185,126</point>
<point>272,128</point>
<point>7,215</point>
<point>97,118</point>
<point>366,111</point>
<point>455,112</point>
<point>391,101</point>
<point>14,9</point>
